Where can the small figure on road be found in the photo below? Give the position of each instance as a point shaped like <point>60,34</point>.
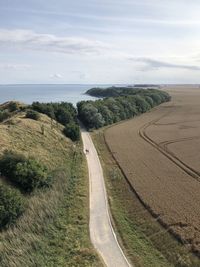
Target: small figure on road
<point>87,151</point>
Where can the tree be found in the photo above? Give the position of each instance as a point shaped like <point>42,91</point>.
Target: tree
<point>63,116</point>
<point>72,131</point>
<point>91,117</point>
<point>106,114</point>
<point>141,104</point>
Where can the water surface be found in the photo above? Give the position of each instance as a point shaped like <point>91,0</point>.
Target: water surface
<point>28,93</point>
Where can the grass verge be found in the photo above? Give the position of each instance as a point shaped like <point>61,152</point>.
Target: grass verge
<point>145,241</point>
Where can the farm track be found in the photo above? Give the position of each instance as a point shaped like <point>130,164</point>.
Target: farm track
<point>162,147</point>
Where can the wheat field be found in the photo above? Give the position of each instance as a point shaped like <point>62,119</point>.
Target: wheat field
<point>159,154</point>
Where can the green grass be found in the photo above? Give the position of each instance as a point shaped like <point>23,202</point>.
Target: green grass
<point>53,231</point>
<point>145,241</point>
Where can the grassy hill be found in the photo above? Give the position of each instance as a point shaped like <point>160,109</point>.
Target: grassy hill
<point>53,230</point>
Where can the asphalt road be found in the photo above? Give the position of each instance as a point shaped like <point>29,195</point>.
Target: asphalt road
<point>101,232</point>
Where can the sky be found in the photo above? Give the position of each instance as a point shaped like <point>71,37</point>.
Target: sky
<point>99,41</point>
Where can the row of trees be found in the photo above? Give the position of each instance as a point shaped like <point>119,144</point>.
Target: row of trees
<point>95,114</point>
<point>65,113</point>
<point>123,91</point>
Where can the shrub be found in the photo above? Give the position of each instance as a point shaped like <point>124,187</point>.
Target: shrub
<point>31,175</point>
<point>13,106</point>
<point>72,131</point>
<point>32,114</point>
<point>28,174</point>
<point>63,116</point>
<point>4,115</point>
<point>9,161</point>
<point>62,112</point>
<point>12,205</point>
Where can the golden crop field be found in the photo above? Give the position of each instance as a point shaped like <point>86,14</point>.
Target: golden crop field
<point>159,152</point>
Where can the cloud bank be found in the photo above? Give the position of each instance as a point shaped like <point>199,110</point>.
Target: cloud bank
<point>48,42</point>
<point>152,64</point>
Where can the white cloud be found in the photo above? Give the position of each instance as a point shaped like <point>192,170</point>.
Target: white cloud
<point>153,64</point>
<point>9,66</point>
<point>48,42</point>
<point>56,76</point>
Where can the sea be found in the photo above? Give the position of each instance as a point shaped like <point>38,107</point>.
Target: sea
<point>28,93</point>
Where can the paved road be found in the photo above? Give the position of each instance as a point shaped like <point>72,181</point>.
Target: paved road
<point>101,231</point>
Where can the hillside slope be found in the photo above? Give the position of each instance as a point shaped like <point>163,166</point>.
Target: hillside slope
<point>53,231</point>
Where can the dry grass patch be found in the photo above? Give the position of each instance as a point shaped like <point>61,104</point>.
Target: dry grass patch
<point>26,136</point>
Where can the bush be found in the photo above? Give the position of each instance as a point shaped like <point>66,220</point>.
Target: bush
<point>63,116</point>
<point>13,106</point>
<point>12,205</point>
<point>28,174</point>
<point>31,175</point>
<point>72,131</point>
<point>4,115</point>
<point>32,114</point>
<point>9,161</point>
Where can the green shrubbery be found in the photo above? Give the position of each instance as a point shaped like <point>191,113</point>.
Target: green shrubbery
<point>4,114</point>
<point>62,112</point>
<point>120,103</point>
<point>72,131</point>
<point>12,205</point>
<point>31,175</point>
<point>28,174</point>
<point>32,114</point>
<point>12,106</point>
<point>65,113</point>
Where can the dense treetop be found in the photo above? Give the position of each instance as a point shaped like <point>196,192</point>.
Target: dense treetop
<point>118,103</point>
<point>121,91</point>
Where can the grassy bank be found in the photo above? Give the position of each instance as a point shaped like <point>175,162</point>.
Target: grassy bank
<point>53,231</point>
<point>145,241</point>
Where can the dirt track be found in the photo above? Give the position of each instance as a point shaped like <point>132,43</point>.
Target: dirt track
<point>159,153</point>
<point>101,231</point>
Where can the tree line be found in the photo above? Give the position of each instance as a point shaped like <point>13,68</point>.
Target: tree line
<point>119,104</point>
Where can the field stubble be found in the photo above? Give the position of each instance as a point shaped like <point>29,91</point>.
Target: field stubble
<point>159,154</point>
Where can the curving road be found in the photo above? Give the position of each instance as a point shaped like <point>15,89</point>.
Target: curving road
<point>101,231</point>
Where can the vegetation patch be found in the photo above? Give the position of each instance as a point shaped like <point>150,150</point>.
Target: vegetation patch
<point>120,103</point>
<point>72,131</point>
<point>32,114</point>
<point>28,174</point>
<point>12,205</point>
<point>64,113</point>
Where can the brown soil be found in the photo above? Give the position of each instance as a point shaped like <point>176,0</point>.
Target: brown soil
<point>159,153</point>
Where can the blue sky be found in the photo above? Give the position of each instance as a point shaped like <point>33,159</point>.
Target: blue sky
<point>99,41</point>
